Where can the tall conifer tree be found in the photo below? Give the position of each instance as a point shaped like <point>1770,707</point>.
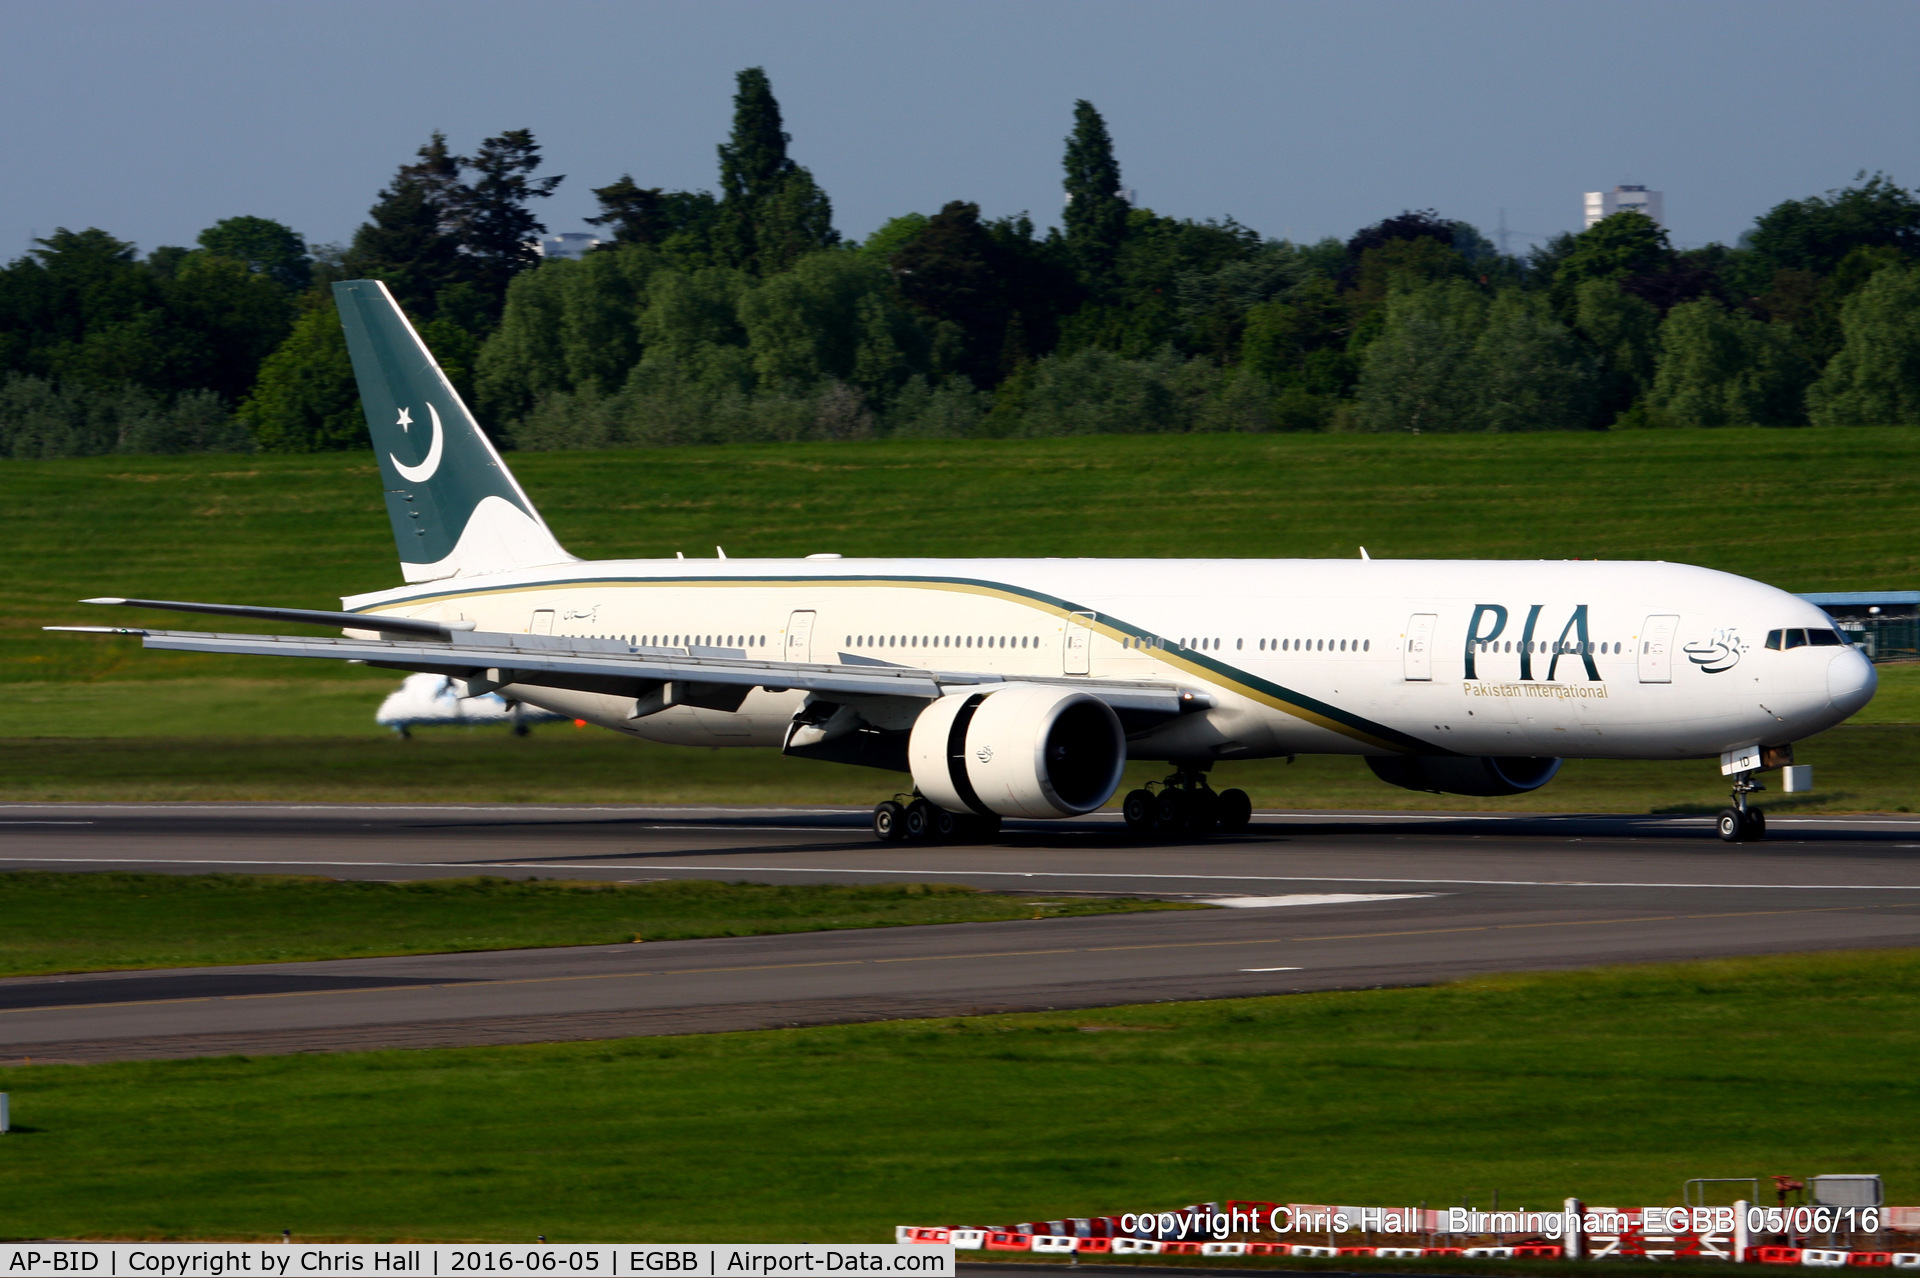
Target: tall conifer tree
<point>1096,216</point>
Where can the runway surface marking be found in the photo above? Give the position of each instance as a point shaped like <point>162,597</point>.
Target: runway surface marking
<point>1272,969</point>
<point>925,871</point>
<point>1312,898</point>
<point>939,958</point>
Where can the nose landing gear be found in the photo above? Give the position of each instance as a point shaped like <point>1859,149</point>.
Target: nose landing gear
<point>1742,823</point>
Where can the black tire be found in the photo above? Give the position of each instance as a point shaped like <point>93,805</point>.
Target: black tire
<point>943,826</point>
<point>1171,810</point>
<point>1236,809</point>
<point>919,821</point>
<point>1140,811</point>
<point>1729,826</point>
<point>1203,812</point>
<point>889,822</point>
<point>974,828</point>
<point>1756,826</point>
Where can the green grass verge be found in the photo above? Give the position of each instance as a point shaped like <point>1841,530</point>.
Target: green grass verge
<point>98,922</point>
<point>1614,1085</point>
<point>1872,768</point>
<point>304,530</point>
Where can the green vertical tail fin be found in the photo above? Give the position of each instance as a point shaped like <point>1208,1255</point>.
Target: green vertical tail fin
<point>457,510</point>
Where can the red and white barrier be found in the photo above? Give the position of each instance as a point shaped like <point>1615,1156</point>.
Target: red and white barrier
<point>1054,1244</point>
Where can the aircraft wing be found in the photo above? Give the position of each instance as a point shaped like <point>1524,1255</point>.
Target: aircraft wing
<point>489,660</point>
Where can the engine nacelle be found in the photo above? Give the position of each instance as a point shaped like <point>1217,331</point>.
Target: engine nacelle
<point>1023,750</point>
<point>1485,776</point>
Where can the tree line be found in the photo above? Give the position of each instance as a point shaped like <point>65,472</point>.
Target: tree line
<point>743,315</point>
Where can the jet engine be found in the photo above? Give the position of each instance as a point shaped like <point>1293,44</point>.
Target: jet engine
<point>1485,776</point>
<point>1024,750</point>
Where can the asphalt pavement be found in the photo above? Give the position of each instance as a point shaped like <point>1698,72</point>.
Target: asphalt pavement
<point>1315,901</point>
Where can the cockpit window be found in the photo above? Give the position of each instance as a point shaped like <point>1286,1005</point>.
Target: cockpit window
<point>1773,639</point>
<point>1796,639</point>
<point>1824,639</point>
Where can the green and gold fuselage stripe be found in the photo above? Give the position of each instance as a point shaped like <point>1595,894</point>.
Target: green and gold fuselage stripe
<point>1207,669</point>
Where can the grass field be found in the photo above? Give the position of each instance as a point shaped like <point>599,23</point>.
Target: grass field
<point>1856,769</point>
<point>97,718</point>
<point>99,922</point>
<point>1614,1085</point>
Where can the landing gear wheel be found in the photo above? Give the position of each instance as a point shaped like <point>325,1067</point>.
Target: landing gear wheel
<point>974,828</point>
<point>919,821</point>
<point>1171,810</point>
<point>889,822</point>
<point>1236,809</point>
<point>1203,812</point>
<point>943,825</point>
<point>1756,826</point>
<point>1140,811</point>
<point>1729,826</point>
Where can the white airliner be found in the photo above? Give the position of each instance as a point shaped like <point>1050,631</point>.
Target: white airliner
<point>1020,687</point>
<point>436,701</point>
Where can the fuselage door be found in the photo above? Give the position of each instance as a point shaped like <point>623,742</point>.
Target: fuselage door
<point>1419,656</point>
<point>1656,649</point>
<point>1077,654</point>
<point>800,637</point>
<point>542,622</point>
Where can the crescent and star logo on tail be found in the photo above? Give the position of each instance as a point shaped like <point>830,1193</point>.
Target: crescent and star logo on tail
<point>424,471</point>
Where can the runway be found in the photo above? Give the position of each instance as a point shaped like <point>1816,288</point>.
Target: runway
<point>1415,898</point>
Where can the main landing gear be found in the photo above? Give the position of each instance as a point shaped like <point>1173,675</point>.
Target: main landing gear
<point>1186,804</point>
<point>1742,823</point>
<point>908,818</point>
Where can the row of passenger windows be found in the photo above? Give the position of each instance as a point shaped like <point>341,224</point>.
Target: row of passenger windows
<point>1779,639</point>
<point>1543,646</point>
<point>695,641</point>
<point>1316,645</point>
<point>943,641</point>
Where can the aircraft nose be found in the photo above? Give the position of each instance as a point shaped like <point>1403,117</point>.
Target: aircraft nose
<point>1851,681</point>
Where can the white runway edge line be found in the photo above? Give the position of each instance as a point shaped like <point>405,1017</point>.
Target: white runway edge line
<point>1311,898</point>
<point>925,872</point>
<point>1273,969</point>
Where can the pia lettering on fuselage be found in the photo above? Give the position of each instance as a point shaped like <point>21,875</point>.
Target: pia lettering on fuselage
<point>1489,625</point>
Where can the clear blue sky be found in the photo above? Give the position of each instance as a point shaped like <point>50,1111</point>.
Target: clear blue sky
<point>154,119</point>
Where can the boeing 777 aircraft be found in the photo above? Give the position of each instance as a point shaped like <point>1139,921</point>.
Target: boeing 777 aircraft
<point>1020,687</point>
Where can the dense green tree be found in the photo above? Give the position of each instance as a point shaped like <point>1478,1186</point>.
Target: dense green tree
<point>1533,373</point>
<point>1816,233</point>
<point>569,326</point>
<point>497,230</point>
<point>412,240</point>
<point>1626,246</point>
<point>1623,330</point>
<point>1299,342</point>
<point>771,211</point>
<point>305,400</point>
<point>952,274</point>
<point>1096,216</point>
<point>1721,367</point>
<point>1420,375</point>
<point>1875,378</point>
<point>265,246</point>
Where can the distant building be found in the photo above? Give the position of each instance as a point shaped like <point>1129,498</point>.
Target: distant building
<point>1604,204</point>
<point>571,245</point>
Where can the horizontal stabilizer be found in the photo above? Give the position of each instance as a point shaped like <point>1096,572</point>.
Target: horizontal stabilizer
<point>301,616</point>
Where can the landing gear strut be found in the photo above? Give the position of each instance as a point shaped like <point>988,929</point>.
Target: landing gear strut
<point>908,818</point>
<point>1742,823</point>
<point>1186,804</point>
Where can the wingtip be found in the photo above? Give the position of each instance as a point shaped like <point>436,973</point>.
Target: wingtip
<point>105,599</point>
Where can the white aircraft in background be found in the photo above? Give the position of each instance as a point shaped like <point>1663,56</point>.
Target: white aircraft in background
<point>436,700</point>
<point>1021,687</point>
